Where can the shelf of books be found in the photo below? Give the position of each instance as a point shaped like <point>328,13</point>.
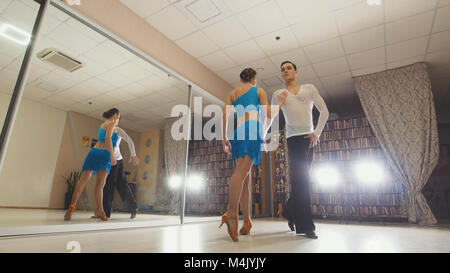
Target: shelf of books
<point>216,167</point>
<point>280,184</point>
<point>344,144</point>
<point>259,188</point>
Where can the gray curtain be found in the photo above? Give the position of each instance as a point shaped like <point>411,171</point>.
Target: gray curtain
<point>174,160</point>
<point>399,107</point>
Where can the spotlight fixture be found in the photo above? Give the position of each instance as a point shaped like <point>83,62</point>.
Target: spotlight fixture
<point>175,182</point>
<point>369,172</point>
<point>15,34</point>
<point>326,175</point>
<point>195,182</point>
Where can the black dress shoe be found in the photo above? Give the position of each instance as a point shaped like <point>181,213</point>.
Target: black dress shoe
<point>133,214</point>
<point>291,225</point>
<point>311,235</point>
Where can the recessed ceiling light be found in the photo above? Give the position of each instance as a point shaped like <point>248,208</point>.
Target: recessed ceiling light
<point>15,34</point>
<point>260,68</point>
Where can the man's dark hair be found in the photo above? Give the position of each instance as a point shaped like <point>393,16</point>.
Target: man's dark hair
<point>289,62</point>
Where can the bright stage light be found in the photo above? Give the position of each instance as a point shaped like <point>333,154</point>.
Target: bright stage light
<point>195,182</point>
<point>326,175</point>
<point>369,172</point>
<point>175,182</point>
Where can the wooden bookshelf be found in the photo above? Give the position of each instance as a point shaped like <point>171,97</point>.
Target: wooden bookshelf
<point>342,144</point>
<point>208,159</point>
<point>280,184</point>
<point>259,188</point>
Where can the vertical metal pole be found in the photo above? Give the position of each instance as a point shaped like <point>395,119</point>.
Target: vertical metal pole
<point>20,85</point>
<point>183,191</point>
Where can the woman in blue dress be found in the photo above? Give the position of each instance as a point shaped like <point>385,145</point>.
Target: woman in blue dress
<point>98,162</point>
<point>245,147</point>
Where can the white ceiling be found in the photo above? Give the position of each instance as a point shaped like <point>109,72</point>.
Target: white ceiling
<point>330,40</point>
<point>111,76</point>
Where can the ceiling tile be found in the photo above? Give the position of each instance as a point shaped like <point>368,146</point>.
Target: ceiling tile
<point>106,99</point>
<point>237,6</point>
<point>172,23</point>
<point>197,44</point>
<point>324,28</point>
<point>263,67</point>
<point>368,70</point>
<point>306,72</point>
<point>20,15</point>
<point>114,78</point>
<point>121,94</point>
<point>231,75</point>
<point>105,56</point>
<point>245,52</point>
<point>331,67</point>
<point>367,58</point>
<point>72,39</point>
<point>156,98</point>
<point>258,25</point>
<point>405,62</point>
<point>231,27</point>
<point>131,71</point>
<point>217,61</point>
<point>323,51</point>
<point>444,3</point>
<point>155,82</point>
<point>441,22</point>
<point>203,13</point>
<point>336,80</point>
<point>396,9</point>
<point>4,4</point>
<point>439,41</point>
<point>90,33</point>
<point>411,27</point>
<point>296,56</point>
<point>359,17</point>
<point>364,40</point>
<point>272,46</point>
<point>145,8</point>
<point>408,49</point>
<point>58,100</point>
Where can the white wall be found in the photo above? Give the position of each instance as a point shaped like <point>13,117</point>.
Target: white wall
<point>27,175</point>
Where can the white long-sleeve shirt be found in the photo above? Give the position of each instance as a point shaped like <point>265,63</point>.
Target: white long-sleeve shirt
<point>122,135</point>
<point>297,110</point>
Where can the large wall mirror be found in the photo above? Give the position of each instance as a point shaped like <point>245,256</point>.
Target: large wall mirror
<point>76,73</point>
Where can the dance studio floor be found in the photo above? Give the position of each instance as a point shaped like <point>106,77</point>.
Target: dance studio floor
<point>14,222</point>
<point>166,235</point>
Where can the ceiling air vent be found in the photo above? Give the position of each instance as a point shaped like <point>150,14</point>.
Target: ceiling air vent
<point>57,58</point>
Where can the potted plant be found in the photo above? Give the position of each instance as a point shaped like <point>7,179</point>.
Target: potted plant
<point>71,182</point>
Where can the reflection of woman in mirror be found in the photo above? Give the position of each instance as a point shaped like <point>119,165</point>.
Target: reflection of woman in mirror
<point>245,147</point>
<point>98,162</point>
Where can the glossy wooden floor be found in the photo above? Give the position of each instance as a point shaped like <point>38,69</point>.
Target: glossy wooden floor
<point>268,235</point>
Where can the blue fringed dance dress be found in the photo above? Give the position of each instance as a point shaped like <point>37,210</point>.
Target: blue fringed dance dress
<point>247,137</point>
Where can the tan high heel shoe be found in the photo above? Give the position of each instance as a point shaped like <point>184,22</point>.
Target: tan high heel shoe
<point>69,212</point>
<point>245,230</point>
<point>233,233</point>
<point>101,215</point>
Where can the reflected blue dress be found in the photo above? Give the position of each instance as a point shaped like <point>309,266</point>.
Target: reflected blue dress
<point>100,159</point>
<point>247,138</point>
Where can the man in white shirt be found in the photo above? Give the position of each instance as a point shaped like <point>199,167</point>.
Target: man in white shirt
<point>117,179</point>
<point>297,103</point>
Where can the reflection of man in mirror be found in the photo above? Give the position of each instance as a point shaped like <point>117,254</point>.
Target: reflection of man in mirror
<point>117,179</point>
